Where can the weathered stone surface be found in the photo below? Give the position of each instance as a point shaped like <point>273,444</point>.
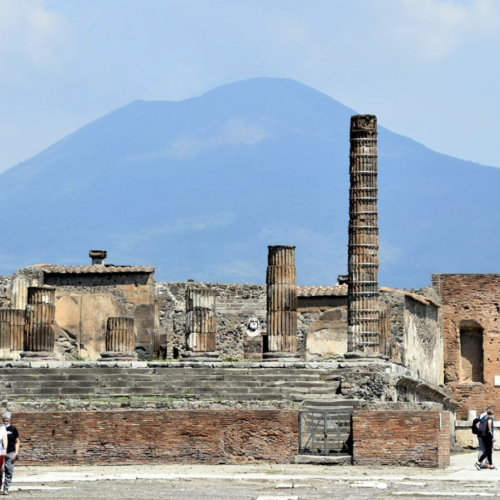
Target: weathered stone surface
<point>40,313</point>
<point>411,331</point>
<point>281,300</point>
<point>326,340</point>
<point>120,334</point>
<point>12,326</point>
<point>363,315</point>
<point>201,320</point>
<point>85,300</point>
<point>236,304</point>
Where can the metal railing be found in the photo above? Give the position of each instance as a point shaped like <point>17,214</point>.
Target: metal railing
<point>324,432</point>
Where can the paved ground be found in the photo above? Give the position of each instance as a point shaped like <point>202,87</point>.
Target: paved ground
<point>252,482</point>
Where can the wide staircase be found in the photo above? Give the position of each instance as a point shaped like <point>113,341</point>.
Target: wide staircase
<point>238,384</point>
<point>324,415</point>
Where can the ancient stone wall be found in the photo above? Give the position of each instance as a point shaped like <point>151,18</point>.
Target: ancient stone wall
<point>423,340</point>
<point>5,292</point>
<point>321,321</point>
<point>413,337</point>
<point>84,302</point>
<point>322,327</point>
<point>471,311</point>
<point>236,304</point>
<point>178,436</point>
<point>401,438</point>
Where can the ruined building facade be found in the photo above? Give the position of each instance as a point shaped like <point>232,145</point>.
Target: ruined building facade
<point>444,334</point>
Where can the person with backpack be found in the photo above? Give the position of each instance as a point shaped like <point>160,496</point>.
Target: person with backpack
<point>479,438</point>
<point>486,432</point>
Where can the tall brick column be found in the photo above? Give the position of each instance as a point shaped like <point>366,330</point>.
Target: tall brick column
<point>39,332</point>
<point>363,289</point>
<point>201,325</point>
<point>120,340</point>
<point>281,280</point>
<point>12,325</point>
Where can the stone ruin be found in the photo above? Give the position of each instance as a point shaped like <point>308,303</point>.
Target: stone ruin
<point>348,344</point>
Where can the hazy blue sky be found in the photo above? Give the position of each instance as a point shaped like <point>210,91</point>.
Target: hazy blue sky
<point>430,69</point>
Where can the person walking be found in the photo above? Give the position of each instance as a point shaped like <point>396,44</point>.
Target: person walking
<point>3,448</point>
<point>13,443</point>
<point>480,438</point>
<point>488,439</point>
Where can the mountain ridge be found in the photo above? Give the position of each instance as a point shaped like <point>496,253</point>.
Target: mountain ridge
<point>200,187</point>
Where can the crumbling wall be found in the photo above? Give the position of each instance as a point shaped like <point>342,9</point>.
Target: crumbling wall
<point>414,337</point>
<point>84,302</point>
<point>470,301</point>
<point>322,327</point>
<point>423,340</point>
<point>236,304</point>
<point>5,292</point>
<point>369,385</point>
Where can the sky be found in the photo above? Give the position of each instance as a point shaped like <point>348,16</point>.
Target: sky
<point>429,69</point>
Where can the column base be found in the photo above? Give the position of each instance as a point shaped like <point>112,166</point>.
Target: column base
<point>200,357</point>
<point>37,356</point>
<point>282,357</point>
<point>119,356</point>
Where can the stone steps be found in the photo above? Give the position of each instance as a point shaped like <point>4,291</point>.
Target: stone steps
<point>332,459</point>
<point>281,384</point>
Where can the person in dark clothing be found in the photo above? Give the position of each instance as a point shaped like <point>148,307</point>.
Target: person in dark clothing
<point>13,443</point>
<point>488,440</point>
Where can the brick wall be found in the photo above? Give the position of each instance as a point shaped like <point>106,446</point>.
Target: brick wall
<point>471,301</point>
<point>409,438</point>
<point>138,437</point>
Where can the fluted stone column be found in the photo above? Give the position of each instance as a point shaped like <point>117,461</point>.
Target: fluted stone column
<point>201,325</point>
<point>12,325</point>
<point>39,331</point>
<point>281,280</point>
<point>363,288</point>
<point>120,340</point>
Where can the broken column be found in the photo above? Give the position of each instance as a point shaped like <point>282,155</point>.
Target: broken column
<point>39,330</point>
<point>12,325</point>
<point>120,340</point>
<point>281,280</point>
<point>363,289</point>
<point>201,325</point>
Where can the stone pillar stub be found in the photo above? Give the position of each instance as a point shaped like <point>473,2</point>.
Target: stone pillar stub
<point>120,340</point>
<point>363,263</point>
<point>201,325</point>
<point>39,330</point>
<point>12,326</point>
<point>281,280</point>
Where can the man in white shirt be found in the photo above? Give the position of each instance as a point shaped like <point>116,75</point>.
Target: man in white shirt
<point>3,443</point>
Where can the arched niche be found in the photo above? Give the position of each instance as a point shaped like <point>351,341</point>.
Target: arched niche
<point>471,352</point>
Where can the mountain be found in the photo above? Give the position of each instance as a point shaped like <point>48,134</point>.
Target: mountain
<point>199,188</point>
